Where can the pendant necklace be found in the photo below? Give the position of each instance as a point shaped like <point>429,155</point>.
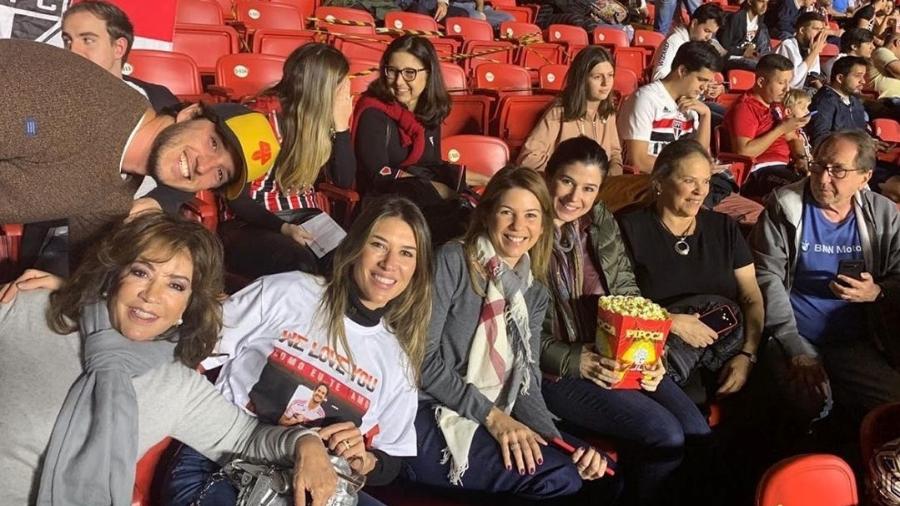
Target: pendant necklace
<point>681,245</point>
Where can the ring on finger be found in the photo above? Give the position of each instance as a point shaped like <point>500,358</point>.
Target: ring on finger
<point>346,444</point>
<point>513,446</point>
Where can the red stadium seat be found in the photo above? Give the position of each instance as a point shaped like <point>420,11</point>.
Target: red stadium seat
<point>610,37</point>
<point>10,245</point>
<point>227,8</point>
<point>258,15</point>
<point>326,15</point>
<point>740,80</point>
<point>721,148</point>
<point>808,480</point>
<point>517,116</point>
<point>489,52</point>
<point>575,38</point>
<point>553,77</point>
<point>201,12</point>
<point>145,472</point>
<point>246,74</point>
<point>830,51</point>
<point>369,49</point>
<point>517,30</point>
<point>477,153</point>
<point>445,47</point>
<point>631,58</point>
<point>369,71</point>
<point>503,78</point>
<point>469,29</point>
<point>176,71</point>
<point>727,99</point>
<point>454,78</point>
<point>522,13</point>
<point>400,20</point>
<point>306,8</point>
<point>625,82</point>
<point>648,39</point>
<point>283,42</point>
<point>205,44</point>
<point>887,130</point>
<point>469,114</point>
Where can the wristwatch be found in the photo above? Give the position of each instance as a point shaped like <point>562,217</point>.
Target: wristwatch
<point>749,355</point>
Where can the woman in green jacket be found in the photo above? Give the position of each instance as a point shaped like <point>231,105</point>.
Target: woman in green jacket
<point>648,425</point>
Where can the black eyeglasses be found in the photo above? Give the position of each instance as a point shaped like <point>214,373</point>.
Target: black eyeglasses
<point>408,74</point>
<point>835,172</point>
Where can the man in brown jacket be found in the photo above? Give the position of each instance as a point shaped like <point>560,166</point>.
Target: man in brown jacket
<point>72,136</point>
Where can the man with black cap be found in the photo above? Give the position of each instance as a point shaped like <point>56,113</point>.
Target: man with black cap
<point>74,136</point>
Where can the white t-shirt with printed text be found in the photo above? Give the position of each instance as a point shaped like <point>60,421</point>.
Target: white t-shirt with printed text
<point>652,115</point>
<point>275,346</point>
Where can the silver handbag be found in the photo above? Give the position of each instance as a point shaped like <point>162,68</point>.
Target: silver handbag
<point>268,485</point>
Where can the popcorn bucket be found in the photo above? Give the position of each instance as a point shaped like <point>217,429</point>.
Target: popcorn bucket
<point>634,341</point>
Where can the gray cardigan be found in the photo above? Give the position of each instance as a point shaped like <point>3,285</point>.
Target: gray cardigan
<point>775,241</point>
<point>456,309</point>
<point>37,367</point>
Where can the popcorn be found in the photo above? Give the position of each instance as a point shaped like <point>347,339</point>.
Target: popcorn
<point>637,307</point>
<point>633,331</point>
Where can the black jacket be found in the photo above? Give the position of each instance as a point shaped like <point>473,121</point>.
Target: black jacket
<point>733,33</point>
<point>833,115</point>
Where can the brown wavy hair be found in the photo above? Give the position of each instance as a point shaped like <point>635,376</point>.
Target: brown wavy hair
<point>508,178</point>
<point>408,314</point>
<point>98,277</point>
<point>433,105</point>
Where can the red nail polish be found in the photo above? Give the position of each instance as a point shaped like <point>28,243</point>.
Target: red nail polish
<point>509,468</point>
<point>540,461</point>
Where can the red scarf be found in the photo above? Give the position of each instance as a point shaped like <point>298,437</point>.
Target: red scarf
<point>412,133</point>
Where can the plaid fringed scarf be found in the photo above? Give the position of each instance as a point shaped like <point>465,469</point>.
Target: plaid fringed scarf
<point>499,354</point>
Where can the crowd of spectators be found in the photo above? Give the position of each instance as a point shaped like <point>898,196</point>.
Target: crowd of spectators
<point>447,341</point>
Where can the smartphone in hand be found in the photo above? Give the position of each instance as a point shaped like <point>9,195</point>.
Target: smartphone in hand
<point>720,319</point>
<point>852,269</point>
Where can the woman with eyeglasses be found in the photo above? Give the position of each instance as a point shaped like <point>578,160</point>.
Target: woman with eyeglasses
<point>397,135</point>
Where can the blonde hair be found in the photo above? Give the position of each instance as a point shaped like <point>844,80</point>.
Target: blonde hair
<point>408,314</point>
<point>306,91</point>
<point>795,96</point>
<point>506,179</point>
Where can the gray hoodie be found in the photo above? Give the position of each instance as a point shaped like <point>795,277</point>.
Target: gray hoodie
<point>775,241</point>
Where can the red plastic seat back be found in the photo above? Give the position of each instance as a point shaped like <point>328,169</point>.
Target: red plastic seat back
<point>504,78</point>
<point>574,36</point>
<point>631,58</point>
<point>625,82</point>
<point>886,129</point>
<point>610,37</point>
<point>326,15</point>
<point>808,480</point>
<point>176,71</point>
<point>201,12</point>
<point>248,74</point>
<point>282,43</point>
<point>369,49</point>
<point>488,52</point>
<point>369,71</point>
<point>469,29</point>
<point>205,44</point>
<point>454,78</point>
<point>553,77</point>
<point>145,472</point>
<point>517,116</point>
<point>400,20</point>
<point>648,39</point>
<point>469,114</point>
<point>306,8</point>
<point>740,80</point>
<point>256,15</point>
<point>517,30</point>
<point>478,153</point>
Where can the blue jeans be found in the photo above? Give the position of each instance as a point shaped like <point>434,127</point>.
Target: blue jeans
<point>665,12</point>
<point>491,16</point>
<point>649,428</point>
<point>191,481</point>
<point>556,477</point>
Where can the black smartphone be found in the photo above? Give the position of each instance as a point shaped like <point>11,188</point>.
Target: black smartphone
<point>720,319</point>
<point>852,268</point>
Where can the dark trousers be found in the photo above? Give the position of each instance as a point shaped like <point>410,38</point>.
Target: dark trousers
<point>556,477</point>
<point>191,481</point>
<point>762,181</point>
<point>648,428</point>
<point>252,252</point>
